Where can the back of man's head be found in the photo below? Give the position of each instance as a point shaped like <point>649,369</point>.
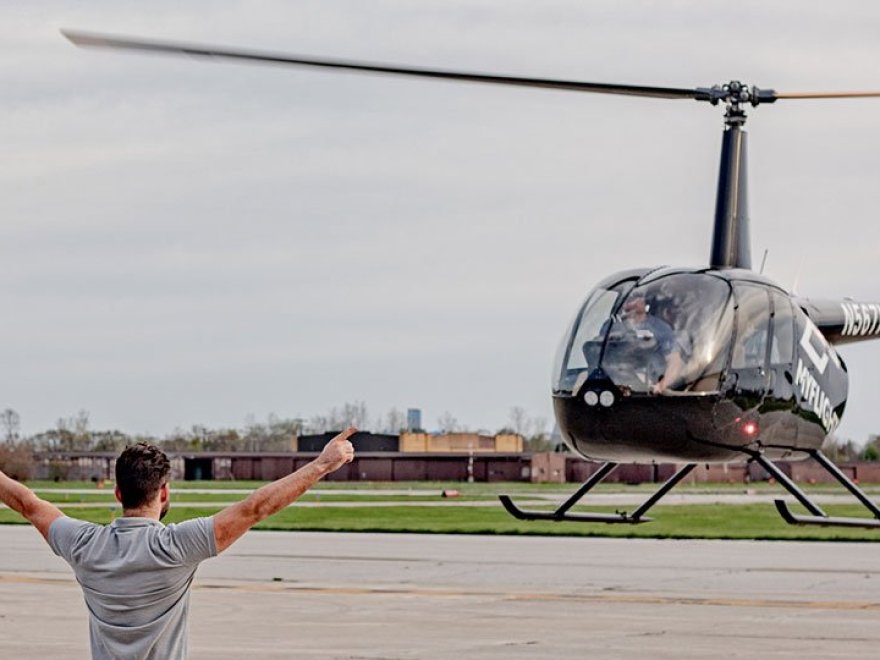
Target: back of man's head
<point>141,470</point>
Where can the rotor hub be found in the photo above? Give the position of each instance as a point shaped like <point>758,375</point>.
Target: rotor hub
<point>735,95</point>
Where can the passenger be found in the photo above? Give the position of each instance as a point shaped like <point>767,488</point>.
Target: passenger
<point>665,363</point>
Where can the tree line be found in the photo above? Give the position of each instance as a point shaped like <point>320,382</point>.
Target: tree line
<point>75,433</point>
<point>275,433</point>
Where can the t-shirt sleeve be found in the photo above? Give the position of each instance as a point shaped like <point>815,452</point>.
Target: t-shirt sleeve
<point>65,535</point>
<point>193,540</point>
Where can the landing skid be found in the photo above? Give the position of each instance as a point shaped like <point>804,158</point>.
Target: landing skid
<point>818,517</point>
<point>634,518</point>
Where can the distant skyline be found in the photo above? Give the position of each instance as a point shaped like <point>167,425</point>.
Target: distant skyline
<point>186,242</point>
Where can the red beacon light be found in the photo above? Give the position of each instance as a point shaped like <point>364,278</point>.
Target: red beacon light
<point>750,428</point>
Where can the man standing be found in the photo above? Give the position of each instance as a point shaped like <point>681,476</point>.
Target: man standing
<point>136,573</point>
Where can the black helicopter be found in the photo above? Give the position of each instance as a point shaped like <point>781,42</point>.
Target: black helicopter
<point>686,365</point>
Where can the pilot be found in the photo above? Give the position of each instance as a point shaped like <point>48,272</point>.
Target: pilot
<point>659,335</point>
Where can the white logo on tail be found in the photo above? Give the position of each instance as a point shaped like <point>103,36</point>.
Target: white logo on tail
<point>820,362</point>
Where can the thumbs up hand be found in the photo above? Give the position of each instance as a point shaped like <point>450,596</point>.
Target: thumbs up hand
<point>338,451</point>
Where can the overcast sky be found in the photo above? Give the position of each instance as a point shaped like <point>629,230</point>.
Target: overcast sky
<point>190,242</point>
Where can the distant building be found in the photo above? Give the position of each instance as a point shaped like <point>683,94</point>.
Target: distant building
<point>503,443</point>
<point>418,442</point>
<point>362,441</point>
<point>414,419</point>
<point>441,461</point>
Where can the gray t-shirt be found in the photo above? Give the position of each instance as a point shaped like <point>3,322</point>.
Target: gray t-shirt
<point>135,575</point>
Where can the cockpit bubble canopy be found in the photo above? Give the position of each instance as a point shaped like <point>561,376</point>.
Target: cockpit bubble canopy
<point>666,334</point>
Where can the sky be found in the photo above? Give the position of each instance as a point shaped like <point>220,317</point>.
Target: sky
<point>186,242</point>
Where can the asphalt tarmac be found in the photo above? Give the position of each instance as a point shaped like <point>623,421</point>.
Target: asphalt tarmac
<point>320,595</point>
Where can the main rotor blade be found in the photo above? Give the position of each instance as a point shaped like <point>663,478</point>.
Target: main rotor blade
<point>825,95</point>
<point>198,50</point>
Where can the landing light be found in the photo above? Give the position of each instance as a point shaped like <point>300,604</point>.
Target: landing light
<point>606,399</point>
<point>591,398</point>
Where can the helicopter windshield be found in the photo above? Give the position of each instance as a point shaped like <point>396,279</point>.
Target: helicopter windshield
<point>671,334</point>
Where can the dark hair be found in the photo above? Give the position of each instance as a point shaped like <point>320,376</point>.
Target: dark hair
<point>141,470</point>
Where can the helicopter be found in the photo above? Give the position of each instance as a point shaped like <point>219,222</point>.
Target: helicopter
<point>689,365</point>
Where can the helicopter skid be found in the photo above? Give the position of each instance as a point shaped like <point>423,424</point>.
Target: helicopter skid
<point>561,513</point>
<point>521,514</point>
<point>818,516</point>
<point>823,521</point>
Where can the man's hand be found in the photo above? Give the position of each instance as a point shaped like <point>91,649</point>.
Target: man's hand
<point>673,369</point>
<point>338,451</point>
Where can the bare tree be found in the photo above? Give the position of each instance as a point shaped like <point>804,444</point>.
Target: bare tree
<point>354,414</point>
<point>11,423</point>
<point>538,438</point>
<point>317,424</point>
<point>448,423</point>
<point>64,434</point>
<point>532,429</point>
<point>349,414</point>
<point>73,432</point>
<point>81,423</point>
<point>254,433</point>
<point>519,421</point>
<point>280,432</point>
<point>109,441</point>
<point>395,421</point>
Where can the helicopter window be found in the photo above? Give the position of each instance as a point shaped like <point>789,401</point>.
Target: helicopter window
<point>753,320</point>
<point>588,340</point>
<point>671,334</point>
<point>782,342</point>
<point>581,346</point>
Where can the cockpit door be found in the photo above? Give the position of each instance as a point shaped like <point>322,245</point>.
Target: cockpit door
<point>748,374</point>
<point>778,420</point>
<point>782,351</point>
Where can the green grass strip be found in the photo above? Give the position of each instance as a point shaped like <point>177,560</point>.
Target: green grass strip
<point>697,521</point>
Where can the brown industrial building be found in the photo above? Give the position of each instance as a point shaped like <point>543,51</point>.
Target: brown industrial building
<point>434,466</point>
<point>414,442</point>
<point>425,457</point>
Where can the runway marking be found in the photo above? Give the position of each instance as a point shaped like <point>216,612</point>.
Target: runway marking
<point>645,599</point>
<point>614,598</point>
<point>289,556</point>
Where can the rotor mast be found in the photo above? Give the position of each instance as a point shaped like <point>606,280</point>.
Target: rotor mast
<point>730,239</point>
<point>731,247</point>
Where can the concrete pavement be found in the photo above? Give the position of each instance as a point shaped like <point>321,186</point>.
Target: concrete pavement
<point>320,595</point>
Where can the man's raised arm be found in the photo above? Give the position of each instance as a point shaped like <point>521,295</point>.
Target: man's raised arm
<point>235,520</point>
<point>22,499</point>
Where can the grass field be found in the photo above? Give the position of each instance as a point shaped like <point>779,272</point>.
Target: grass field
<point>478,488</point>
<point>706,521</point>
<point>423,513</point>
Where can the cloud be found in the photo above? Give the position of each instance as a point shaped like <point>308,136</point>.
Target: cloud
<point>188,241</point>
